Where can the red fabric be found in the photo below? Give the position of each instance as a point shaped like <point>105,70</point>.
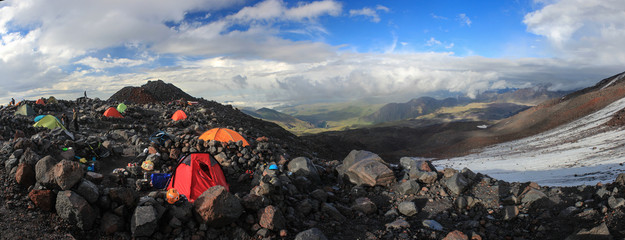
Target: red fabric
<point>191,180</point>
<point>112,112</point>
<point>40,102</point>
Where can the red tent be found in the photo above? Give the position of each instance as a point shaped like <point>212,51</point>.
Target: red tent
<point>112,112</point>
<point>196,173</point>
<point>179,115</point>
<point>40,102</point>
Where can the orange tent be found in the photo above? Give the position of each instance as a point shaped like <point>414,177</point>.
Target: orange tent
<point>179,115</point>
<point>112,112</point>
<point>223,135</point>
<point>40,101</point>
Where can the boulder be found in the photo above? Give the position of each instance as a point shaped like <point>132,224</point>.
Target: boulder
<point>123,196</point>
<point>42,170</point>
<point>111,223</point>
<point>457,183</point>
<point>431,224</point>
<point>364,205</point>
<point>29,157</point>
<point>311,234</point>
<point>598,232</point>
<point>408,208</point>
<point>456,235</point>
<point>67,174</point>
<point>68,155</point>
<point>615,203</point>
<point>366,168</point>
<point>94,177</point>
<point>43,199</point>
<point>144,221</point>
<point>423,176</point>
<point>532,195</point>
<point>25,175</point>
<point>272,219</point>
<point>510,212</point>
<point>217,207</point>
<point>302,166</point>
<point>88,190</point>
<point>409,187</point>
<point>74,208</point>
<point>331,211</point>
<point>620,179</point>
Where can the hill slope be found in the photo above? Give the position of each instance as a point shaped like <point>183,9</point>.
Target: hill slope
<point>286,121</point>
<point>152,91</point>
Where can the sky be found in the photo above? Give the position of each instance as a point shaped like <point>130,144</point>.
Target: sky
<point>272,52</point>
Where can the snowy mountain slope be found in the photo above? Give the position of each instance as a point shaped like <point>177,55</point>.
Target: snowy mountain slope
<point>581,152</point>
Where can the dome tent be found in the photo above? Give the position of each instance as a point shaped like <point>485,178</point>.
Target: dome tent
<point>179,115</point>
<point>25,110</point>
<point>50,122</point>
<point>196,173</point>
<point>112,112</point>
<point>223,135</point>
<point>121,107</point>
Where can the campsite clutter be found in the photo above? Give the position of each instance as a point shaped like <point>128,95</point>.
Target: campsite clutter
<point>220,174</point>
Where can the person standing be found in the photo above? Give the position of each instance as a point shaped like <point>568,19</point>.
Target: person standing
<point>75,119</point>
<point>12,101</point>
<point>64,120</point>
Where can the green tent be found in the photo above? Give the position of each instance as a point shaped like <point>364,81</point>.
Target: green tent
<point>25,110</point>
<point>50,122</point>
<point>121,107</point>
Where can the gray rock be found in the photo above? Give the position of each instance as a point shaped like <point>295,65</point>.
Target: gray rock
<point>144,221</point>
<point>123,196</point>
<point>10,163</point>
<point>398,224</point>
<point>602,192</point>
<point>29,157</point>
<point>74,208</point>
<point>409,187</point>
<point>320,195</point>
<point>42,170</point>
<point>302,166</point>
<point>311,234</point>
<point>431,224</point>
<point>457,183</point>
<point>331,211</point>
<point>423,176</point>
<point>532,196</point>
<point>364,205</point>
<point>111,223</point>
<point>366,168</point>
<point>271,218</point>
<point>67,174</point>
<point>598,232</point>
<point>94,177</point>
<point>568,211</point>
<point>510,212</point>
<point>408,208</point>
<point>88,190</point>
<point>615,203</point>
<point>217,207</point>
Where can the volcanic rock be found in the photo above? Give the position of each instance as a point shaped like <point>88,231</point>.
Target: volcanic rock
<point>407,208</point>
<point>44,199</point>
<point>598,232</point>
<point>456,235</point>
<point>302,166</point>
<point>67,174</point>
<point>25,175</point>
<point>111,223</point>
<point>409,187</point>
<point>217,207</point>
<point>88,190</point>
<point>311,234</point>
<point>366,168</point>
<point>272,219</point>
<point>364,205</point>
<point>457,183</point>
<point>143,221</point>
<point>72,207</point>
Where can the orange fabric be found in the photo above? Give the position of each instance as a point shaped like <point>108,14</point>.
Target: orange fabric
<point>179,115</point>
<point>40,101</point>
<point>223,135</point>
<point>112,112</point>
<point>192,180</point>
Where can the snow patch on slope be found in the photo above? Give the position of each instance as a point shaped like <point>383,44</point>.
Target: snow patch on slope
<point>581,152</point>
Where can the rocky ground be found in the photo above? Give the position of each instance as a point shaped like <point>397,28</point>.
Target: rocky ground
<point>47,193</point>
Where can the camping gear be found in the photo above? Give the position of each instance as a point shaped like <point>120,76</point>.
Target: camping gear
<point>273,167</point>
<point>172,196</point>
<point>98,150</point>
<point>147,165</point>
<point>160,138</point>
<point>52,100</point>
<point>37,118</point>
<point>112,112</point>
<point>40,102</point>
<point>159,180</point>
<point>195,173</point>
<point>50,122</point>
<point>25,110</point>
<point>179,115</point>
<point>121,107</point>
<point>223,135</point>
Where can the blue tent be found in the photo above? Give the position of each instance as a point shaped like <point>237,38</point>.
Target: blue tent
<point>39,118</point>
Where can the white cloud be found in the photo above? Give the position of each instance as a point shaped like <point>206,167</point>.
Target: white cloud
<point>464,20</point>
<point>369,12</point>
<point>437,17</point>
<point>583,30</point>
<point>432,42</point>
<point>109,62</point>
<point>276,10</point>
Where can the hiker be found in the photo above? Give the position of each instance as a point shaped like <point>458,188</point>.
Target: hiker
<point>12,102</point>
<point>64,120</point>
<point>85,94</point>
<point>75,119</point>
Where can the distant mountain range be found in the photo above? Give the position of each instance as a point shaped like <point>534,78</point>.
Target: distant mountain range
<point>493,105</point>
